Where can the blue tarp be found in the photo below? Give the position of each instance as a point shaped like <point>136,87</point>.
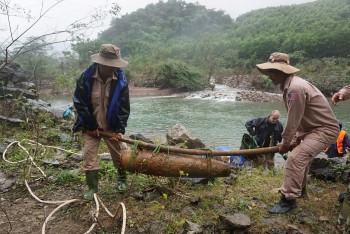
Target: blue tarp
<point>237,161</point>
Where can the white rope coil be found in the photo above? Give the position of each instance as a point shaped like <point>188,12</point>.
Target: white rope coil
<point>64,202</point>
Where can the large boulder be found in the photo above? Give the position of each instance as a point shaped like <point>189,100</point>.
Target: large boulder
<point>15,83</point>
<point>13,73</point>
<point>6,75</point>
<point>181,136</point>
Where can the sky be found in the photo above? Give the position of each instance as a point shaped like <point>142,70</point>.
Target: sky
<point>69,11</point>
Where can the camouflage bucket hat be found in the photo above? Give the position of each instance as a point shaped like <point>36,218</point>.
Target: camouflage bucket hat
<point>278,61</point>
<point>109,55</point>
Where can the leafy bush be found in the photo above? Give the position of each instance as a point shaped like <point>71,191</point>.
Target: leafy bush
<point>179,76</point>
<point>66,82</point>
<point>267,84</point>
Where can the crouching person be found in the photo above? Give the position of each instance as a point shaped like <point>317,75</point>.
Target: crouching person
<point>310,127</point>
<point>101,99</point>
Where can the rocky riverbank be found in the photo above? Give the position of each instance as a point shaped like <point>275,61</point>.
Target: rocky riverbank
<point>226,93</point>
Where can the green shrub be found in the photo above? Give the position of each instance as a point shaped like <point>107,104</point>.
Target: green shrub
<point>66,177</point>
<point>267,84</point>
<point>178,75</point>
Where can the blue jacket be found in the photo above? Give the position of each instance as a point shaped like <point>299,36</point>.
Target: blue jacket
<point>263,130</point>
<point>119,102</point>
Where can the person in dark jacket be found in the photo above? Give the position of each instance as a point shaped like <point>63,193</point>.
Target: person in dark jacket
<point>267,132</point>
<point>101,100</point>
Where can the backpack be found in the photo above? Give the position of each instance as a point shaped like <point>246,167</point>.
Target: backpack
<point>248,142</point>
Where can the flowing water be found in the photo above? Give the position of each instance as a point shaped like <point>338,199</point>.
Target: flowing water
<point>217,120</point>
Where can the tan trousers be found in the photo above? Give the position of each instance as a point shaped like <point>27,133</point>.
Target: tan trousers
<point>298,165</point>
<point>90,151</point>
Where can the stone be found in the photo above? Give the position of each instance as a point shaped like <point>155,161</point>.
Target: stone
<point>191,227</point>
<point>237,220</point>
<point>180,134</point>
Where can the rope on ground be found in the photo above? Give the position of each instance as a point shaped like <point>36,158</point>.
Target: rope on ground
<point>95,215</point>
<point>114,216</point>
<point>64,202</point>
<point>53,212</point>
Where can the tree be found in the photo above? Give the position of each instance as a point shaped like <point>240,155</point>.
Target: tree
<point>13,46</point>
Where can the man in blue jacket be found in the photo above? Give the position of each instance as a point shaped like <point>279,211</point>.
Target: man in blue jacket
<point>101,99</point>
<point>267,132</point>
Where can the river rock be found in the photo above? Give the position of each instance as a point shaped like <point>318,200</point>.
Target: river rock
<point>26,85</point>
<point>258,96</point>
<point>190,227</point>
<point>10,92</point>
<point>332,169</point>
<point>180,134</point>
<point>141,137</point>
<point>237,220</point>
<point>5,182</point>
<point>12,121</point>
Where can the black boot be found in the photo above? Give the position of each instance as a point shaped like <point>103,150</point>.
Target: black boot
<point>304,192</point>
<point>283,206</point>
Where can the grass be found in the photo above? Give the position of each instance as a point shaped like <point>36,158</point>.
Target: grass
<point>167,203</point>
<point>253,193</point>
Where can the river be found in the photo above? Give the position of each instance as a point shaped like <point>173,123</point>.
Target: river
<point>216,121</point>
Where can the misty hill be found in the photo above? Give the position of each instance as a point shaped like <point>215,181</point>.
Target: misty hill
<point>166,21</point>
<point>198,42</point>
<point>316,29</point>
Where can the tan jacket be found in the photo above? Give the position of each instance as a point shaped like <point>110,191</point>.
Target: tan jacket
<point>100,99</point>
<point>308,113</point>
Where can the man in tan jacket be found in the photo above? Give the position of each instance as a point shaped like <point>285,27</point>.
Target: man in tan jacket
<point>310,127</point>
<point>101,99</point>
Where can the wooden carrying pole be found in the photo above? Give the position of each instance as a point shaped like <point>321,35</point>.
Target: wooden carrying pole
<point>169,149</point>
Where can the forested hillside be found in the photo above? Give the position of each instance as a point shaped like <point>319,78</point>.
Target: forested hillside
<point>165,21</point>
<point>315,30</point>
<point>179,45</point>
<point>177,35</point>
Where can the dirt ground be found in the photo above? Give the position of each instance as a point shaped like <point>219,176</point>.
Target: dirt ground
<point>21,213</point>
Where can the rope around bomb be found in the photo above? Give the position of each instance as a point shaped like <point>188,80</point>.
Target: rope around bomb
<point>63,203</point>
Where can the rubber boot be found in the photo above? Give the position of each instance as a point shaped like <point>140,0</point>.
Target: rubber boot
<point>92,182</point>
<point>121,183</point>
<point>304,192</point>
<point>283,206</point>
